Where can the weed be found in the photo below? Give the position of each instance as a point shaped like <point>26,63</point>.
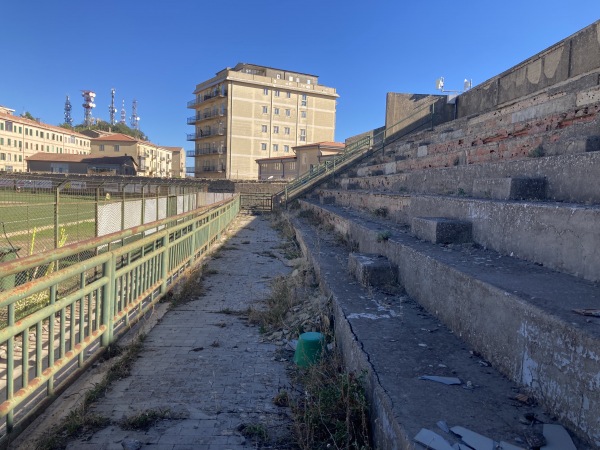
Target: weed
<point>282,398</point>
<point>537,152</point>
<point>245,242</point>
<point>145,420</point>
<point>282,299</point>
<point>310,216</point>
<point>254,431</point>
<point>190,288</point>
<point>383,236</point>
<point>210,272</point>
<point>333,410</point>
<point>461,192</point>
<point>381,212</point>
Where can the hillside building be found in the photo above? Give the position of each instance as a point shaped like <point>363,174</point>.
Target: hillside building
<point>251,112</point>
<point>21,138</point>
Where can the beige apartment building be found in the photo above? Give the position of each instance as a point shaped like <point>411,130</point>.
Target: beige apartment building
<point>177,161</point>
<point>152,160</point>
<point>21,138</point>
<point>251,112</point>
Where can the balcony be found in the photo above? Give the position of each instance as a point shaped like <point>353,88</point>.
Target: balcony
<point>205,116</point>
<point>206,151</point>
<point>203,98</point>
<point>201,134</point>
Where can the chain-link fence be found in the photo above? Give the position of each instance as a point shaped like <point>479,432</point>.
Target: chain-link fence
<point>45,212</point>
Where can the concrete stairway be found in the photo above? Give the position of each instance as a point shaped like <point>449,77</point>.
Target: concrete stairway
<point>505,253</point>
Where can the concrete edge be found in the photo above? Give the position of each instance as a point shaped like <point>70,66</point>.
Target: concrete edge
<point>387,433</point>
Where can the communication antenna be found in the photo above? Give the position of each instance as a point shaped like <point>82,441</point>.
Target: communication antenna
<point>88,105</point>
<point>134,119</point>
<point>123,114</point>
<point>68,118</point>
<point>111,109</point>
<point>439,85</point>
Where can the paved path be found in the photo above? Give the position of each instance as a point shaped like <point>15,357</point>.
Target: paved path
<point>210,369</point>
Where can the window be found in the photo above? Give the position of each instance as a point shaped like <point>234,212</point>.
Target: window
<point>263,146</point>
<point>277,93</point>
<point>1,141</point>
<point>288,94</point>
<point>9,142</point>
<point>286,131</point>
<point>275,147</point>
<point>117,148</point>
<point>276,129</point>
<point>277,166</point>
<point>303,135</point>
<point>303,114</point>
<point>264,128</point>
<point>265,110</point>
<point>266,91</point>
<point>303,103</point>
<point>9,126</point>
<point>20,129</point>
<point>1,126</point>
<point>101,147</point>
<point>292,165</point>
<point>276,111</point>
<point>288,113</point>
<point>286,149</point>
<point>308,81</point>
<point>2,156</point>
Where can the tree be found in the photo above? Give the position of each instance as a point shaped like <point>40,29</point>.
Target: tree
<point>28,115</point>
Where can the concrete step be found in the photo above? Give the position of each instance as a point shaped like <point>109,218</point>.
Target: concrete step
<point>519,316</point>
<point>569,178</point>
<point>561,236</point>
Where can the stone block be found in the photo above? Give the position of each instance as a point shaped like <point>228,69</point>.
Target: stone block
<point>512,188</point>
<point>372,269</point>
<point>440,230</point>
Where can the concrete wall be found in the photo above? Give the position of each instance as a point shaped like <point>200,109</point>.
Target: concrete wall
<point>405,113</point>
<point>568,60</point>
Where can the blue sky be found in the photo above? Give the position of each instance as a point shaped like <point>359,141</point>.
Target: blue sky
<point>157,51</point>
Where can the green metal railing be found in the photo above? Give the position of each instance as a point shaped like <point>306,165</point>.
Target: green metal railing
<point>352,153</point>
<point>53,327</point>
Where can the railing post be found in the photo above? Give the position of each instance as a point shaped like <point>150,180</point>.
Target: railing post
<point>108,297</point>
<point>165,262</point>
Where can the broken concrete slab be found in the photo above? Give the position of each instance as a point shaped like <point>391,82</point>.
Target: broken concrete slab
<point>432,440</point>
<point>441,230</point>
<point>372,270</point>
<point>557,438</point>
<point>444,380</point>
<point>507,446</point>
<point>510,188</point>
<point>474,440</point>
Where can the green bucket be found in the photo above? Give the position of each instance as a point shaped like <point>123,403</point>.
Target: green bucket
<point>309,348</point>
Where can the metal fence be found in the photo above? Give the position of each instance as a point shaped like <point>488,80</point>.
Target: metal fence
<point>52,328</point>
<point>45,211</point>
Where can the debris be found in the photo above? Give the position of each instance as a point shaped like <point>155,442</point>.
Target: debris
<point>523,398</point>
<point>507,446</point>
<point>557,438</point>
<point>534,439</point>
<point>422,345</point>
<point>432,440</point>
<point>469,385</point>
<point>197,349</point>
<point>131,444</point>
<point>444,380</point>
<point>442,425</point>
<point>472,439</point>
<point>588,312</point>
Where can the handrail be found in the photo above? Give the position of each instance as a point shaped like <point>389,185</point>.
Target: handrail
<point>352,152</point>
<point>83,306</point>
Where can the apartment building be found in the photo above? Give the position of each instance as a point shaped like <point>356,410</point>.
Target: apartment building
<point>177,161</point>
<point>252,112</point>
<point>21,137</point>
<point>152,160</point>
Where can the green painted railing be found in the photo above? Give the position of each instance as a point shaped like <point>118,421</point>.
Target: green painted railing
<point>52,328</point>
<point>352,153</point>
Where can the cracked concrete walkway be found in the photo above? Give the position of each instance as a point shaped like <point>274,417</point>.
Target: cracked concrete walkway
<point>209,368</point>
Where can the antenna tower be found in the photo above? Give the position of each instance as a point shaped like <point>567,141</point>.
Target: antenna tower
<point>134,120</point>
<point>68,118</point>
<point>111,109</point>
<point>123,114</point>
<point>88,105</point>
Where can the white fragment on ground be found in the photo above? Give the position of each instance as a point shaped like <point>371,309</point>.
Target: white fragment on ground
<point>444,380</point>
<point>474,440</point>
<point>432,440</point>
<point>367,316</point>
<point>557,438</point>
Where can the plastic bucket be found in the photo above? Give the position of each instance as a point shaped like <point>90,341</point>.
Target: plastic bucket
<point>309,348</point>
